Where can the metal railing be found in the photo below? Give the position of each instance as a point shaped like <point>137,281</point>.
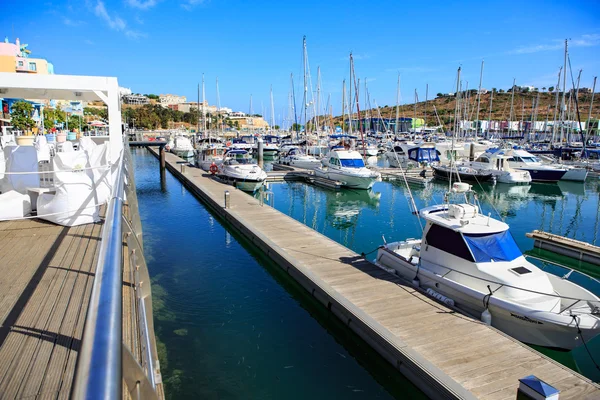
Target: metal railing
<point>105,361</point>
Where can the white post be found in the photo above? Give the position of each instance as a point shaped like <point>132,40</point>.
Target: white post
<point>114,120</point>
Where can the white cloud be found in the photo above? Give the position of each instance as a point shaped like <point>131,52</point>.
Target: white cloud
<point>71,22</point>
<point>556,44</point>
<point>116,23</point>
<point>142,4</point>
<point>189,4</point>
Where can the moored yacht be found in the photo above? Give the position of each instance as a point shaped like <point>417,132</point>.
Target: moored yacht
<point>470,260</point>
<point>240,170</point>
<point>348,167</point>
<point>182,147</point>
<point>496,163</point>
<point>295,157</point>
<point>209,155</point>
<point>525,161</point>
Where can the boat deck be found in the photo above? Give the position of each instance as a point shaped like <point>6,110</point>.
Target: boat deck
<point>444,353</point>
<point>46,278</point>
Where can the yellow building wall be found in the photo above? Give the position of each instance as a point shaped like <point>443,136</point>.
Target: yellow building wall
<point>8,64</point>
<point>41,65</point>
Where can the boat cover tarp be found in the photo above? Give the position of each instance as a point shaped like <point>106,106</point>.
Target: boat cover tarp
<point>423,155</point>
<point>493,247</point>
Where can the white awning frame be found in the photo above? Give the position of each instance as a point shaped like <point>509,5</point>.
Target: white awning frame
<point>70,87</point>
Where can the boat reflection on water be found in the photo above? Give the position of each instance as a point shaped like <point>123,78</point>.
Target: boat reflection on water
<point>344,207</point>
<point>576,188</point>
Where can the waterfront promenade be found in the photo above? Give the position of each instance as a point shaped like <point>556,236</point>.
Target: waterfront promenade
<point>446,354</point>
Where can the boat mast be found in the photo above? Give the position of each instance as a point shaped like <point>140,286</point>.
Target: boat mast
<point>589,120</point>
<point>318,99</point>
<point>219,108</point>
<point>272,111</point>
<point>397,107</point>
<point>305,88</point>
<point>556,108</point>
<point>294,106</point>
<point>198,114</point>
<point>414,124</point>
<point>350,102</point>
<point>457,124</point>
<point>360,126</point>
<point>479,101</point>
<point>563,105</point>
<point>512,100</point>
<point>490,117</point>
<point>426,103</point>
<point>343,103</point>
<point>204,108</point>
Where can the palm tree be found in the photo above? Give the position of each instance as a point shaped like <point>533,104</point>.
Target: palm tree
<point>544,89</point>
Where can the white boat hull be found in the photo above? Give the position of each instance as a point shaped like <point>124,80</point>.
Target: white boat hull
<point>523,323</point>
<point>183,153</point>
<point>350,181</point>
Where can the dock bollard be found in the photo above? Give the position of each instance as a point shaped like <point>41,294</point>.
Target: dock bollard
<point>227,199</point>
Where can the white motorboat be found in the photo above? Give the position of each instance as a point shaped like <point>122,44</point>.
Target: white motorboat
<point>182,147</point>
<point>525,161</point>
<point>473,262</point>
<point>409,154</point>
<point>295,157</point>
<point>240,170</point>
<point>370,148</point>
<point>348,167</point>
<point>496,162</point>
<point>209,155</point>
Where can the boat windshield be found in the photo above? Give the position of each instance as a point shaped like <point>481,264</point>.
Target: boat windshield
<point>531,159</point>
<point>353,163</point>
<point>238,161</point>
<point>487,247</point>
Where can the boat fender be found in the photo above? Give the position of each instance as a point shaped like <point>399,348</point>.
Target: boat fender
<point>213,168</point>
<point>440,297</point>
<point>416,282</point>
<point>486,317</point>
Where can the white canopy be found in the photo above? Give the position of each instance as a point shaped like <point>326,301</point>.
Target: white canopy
<point>70,87</point>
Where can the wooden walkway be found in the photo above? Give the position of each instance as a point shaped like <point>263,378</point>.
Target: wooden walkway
<point>444,353</point>
<point>46,277</point>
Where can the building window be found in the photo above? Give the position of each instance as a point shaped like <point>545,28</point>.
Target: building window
<point>32,66</point>
<point>20,63</point>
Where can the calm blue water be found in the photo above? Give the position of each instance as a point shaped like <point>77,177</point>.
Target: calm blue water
<point>230,324</point>
<point>359,220</point>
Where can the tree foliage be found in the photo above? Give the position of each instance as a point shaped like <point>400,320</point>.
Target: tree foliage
<point>21,115</point>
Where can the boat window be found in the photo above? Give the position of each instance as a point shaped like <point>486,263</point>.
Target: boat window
<point>530,159</point>
<point>449,241</point>
<point>488,247</point>
<point>353,163</point>
<point>332,160</point>
<point>483,159</point>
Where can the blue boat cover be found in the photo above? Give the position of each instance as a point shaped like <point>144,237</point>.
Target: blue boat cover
<point>423,155</point>
<point>493,247</point>
<point>353,163</point>
<point>539,386</point>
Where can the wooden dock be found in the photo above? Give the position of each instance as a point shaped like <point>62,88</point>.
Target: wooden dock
<point>46,277</point>
<point>444,353</point>
<point>568,247</point>
<point>413,176</point>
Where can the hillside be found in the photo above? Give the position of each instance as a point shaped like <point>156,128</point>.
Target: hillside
<point>523,105</point>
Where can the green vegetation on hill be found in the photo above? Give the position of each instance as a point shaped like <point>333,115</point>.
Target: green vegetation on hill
<point>445,106</point>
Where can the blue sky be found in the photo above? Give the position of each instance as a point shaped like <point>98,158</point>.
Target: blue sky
<point>164,46</point>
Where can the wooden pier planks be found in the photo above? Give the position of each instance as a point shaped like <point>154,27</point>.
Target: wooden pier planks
<point>431,343</point>
<point>46,278</point>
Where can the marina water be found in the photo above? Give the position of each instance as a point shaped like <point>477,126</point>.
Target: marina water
<point>230,324</point>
